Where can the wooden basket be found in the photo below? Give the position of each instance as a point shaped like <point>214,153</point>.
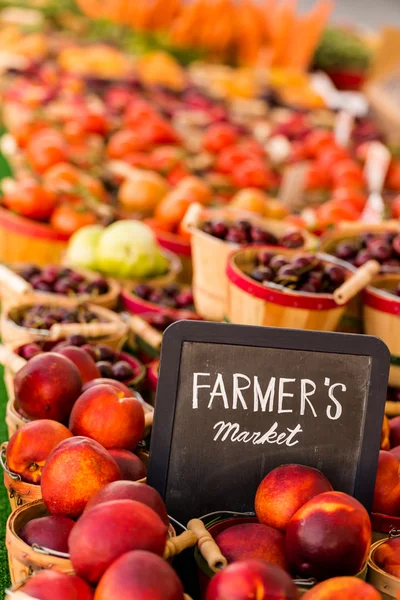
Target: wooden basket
<point>178,244</point>
<point>19,492</point>
<point>382,319</point>
<point>251,303</point>
<point>23,560</point>
<point>383,525</point>
<point>387,585</point>
<point>138,306</point>
<point>210,256</point>
<point>352,319</point>
<point>145,338</point>
<point>112,330</point>
<point>13,419</point>
<point>12,284</point>
<point>152,378</point>
<point>24,240</point>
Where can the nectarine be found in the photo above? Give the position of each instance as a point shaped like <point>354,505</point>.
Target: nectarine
<point>284,490</point>
<point>343,588</point>
<point>387,485</point>
<point>387,556</point>
<point>396,452</point>
<point>140,575</point>
<point>49,585</point>
<point>50,532</point>
<point>118,385</point>
<point>47,387</point>
<point>84,363</point>
<point>30,446</point>
<point>75,470</point>
<point>130,465</point>
<point>109,530</point>
<point>251,579</point>
<point>328,536</point>
<point>131,490</point>
<point>385,437</point>
<point>105,415</point>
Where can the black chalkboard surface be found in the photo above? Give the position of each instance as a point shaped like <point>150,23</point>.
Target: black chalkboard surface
<point>234,402</point>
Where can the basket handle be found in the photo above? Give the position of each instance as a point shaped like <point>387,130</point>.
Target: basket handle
<point>9,359</point>
<point>178,544</point>
<point>142,328</point>
<point>207,546</point>
<point>148,419</point>
<point>14,282</point>
<point>192,217</point>
<point>357,282</point>
<point>60,330</point>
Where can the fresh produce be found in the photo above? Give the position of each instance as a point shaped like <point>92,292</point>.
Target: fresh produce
<point>243,232</point>
<point>82,246</point>
<point>134,526</point>
<point>284,491</point>
<point>117,385</point>
<point>343,588</point>
<point>385,248</point>
<point>68,478</point>
<point>62,280</point>
<point>140,574</point>
<point>47,387</point>
<point>328,536</point>
<point>171,296</point>
<point>82,360</point>
<point>31,445</point>
<point>129,464</point>
<point>49,532</point>
<point>41,316</point>
<point>47,585</point>
<point>102,413</point>
<point>387,556</point>
<point>385,438</point>
<point>387,485</point>
<point>394,428</point>
<point>248,578</point>
<point>341,50</point>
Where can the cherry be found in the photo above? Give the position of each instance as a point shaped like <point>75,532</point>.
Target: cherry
<point>122,371</point>
<point>105,369</point>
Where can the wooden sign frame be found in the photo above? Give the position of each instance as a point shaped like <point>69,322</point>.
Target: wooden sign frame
<point>265,337</point>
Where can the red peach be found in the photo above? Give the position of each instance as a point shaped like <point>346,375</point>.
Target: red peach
<point>387,556</point>
<point>395,452</point>
<point>130,465</point>
<point>47,387</point>
<point>385,437</point>
<point>328,536</point>
<point>50,532</point>
<point>49,585</point>
<point>251,579</point>
<point>105,415</point>
<point>131,490</point>
<point>284,490</point>
<point>31,445</point>
<point>109,530</point>
<point>394,425</point>
<point>76,470</point>
<point>140,575</point>
<point>343,588</point>
<point>118,385</point>
<point>387,485</point>
<point>253,540</point>
<point>84,363</point>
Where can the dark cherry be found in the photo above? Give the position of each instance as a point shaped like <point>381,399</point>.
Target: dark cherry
<point>236,236</point>
<point>259,236</point>
<point>92,351</point>
<point>264,257</point>
<point>346,250</point>
<point>335,274</point>
<point>106,353</point>
<point>122,371</point>
<point>143,291</point>
<point>30,350</point>
<point>278,261</point>
<point>262,274</point>
<point>77,339</point>
<point>219,230</point>
<point>309,287</point>
<point>105,369</point>
<point>396,245</point>
<point>397,290</point>
<point>379,249</point>
<point>184,299</point>
<point>362,257</point>
<point>29,271</point>
<point>294,239</point>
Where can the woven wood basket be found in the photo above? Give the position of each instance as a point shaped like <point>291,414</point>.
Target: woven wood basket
<point>382,319</point>
<point>19,492</point>
<point>111,330</point>
<point>387,585</point>
<point>13,419</point>
<point>23,560</point>
<point>251,303</point>
<point>383,525</point>
<point>137,306</point>
<point>210,256</point>
<point>145,338</point>
<point>352,321</point>
<point>12,284</point>
<point>180,245</point>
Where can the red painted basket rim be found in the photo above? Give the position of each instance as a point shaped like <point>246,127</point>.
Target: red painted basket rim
<point>137,306</point>
<point>384,523</point>
<point>29,227</point>
<point>135,363</point>
<point>172,241</point>
<point>152,374</point>
<point>381,300</point>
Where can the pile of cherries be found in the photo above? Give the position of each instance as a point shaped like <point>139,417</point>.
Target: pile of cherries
<point>62,280</point>
<point>170,296</point>
<point>244,232</point>
<point>393,394</point>
<point>383,247</point>
<point>107,360</point>
<point>41,316</point>
<point>303,273</point>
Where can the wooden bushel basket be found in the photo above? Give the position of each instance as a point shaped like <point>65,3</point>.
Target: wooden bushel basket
<point>383,525</point>
<point>13,419</point>
<point>137,306</point>
<point>387,585</point>
<point>382,319</point>
<point>210,256</point>
<point>180,246</point>
<point>19,492</point>
<point>252,303</point>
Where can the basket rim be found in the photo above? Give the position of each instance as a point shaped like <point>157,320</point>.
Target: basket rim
<point>29,227</point>
<point>138,306</point>
<point>171,241</point>
<point>382,300</point>
<point>152,373</point>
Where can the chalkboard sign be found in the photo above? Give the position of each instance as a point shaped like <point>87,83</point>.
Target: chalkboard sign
<point>234,402</point>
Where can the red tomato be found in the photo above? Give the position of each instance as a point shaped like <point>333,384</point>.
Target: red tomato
<point>158,131</point>
<point>125,142</point>
<point>46,148</point>
<point>347,173</point>
<point>318,140</point>
<point>68,218</point>
<point>252,147</point>
<point>333,212</point>
<point>317,177</point>
<point>348,196</point>
<point>178,173</point>
<point>165,158</point>
<point>219,136</point>
<point>331,155</point>
<point>229,158</point>
<point>298,152</point>
<point>393,178</point>
<point>252,173</point>
<point>23,133</point>
<point>139,112</point>
<point>139,160</point>
<point>31,200</point>
<point>94,122</point>
<point>396,208</point>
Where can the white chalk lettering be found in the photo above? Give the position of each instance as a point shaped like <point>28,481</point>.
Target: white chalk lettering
<point>237,390</point>
<point>282,395</point>
<point>196,387</point>
<point>231,431</point>
<point>219,390</point>
<point>268,398</point>
<point>305,396</point>
<point>338,406</point>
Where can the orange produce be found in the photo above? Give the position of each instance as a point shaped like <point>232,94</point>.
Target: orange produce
<point>68,218</point>
<point>387,485</point>
<point>343,588</point>
<point>64,178</point>
<point>48,585</point>
<point>143,192</point>
<point>174,206</point>
<point>29,199</point>
<point>46,148</point>
<point>130,465</point>
<point>125,142</point>
<point>387,557</point>
<point>385,437</point>
<point>250,199</point>
<point>393,176</point>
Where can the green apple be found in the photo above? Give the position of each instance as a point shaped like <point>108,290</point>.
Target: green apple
<point>82,247</point>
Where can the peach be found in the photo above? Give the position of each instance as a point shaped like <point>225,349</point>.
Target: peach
<point>109,530</point>
<point>395,452</point>
<point>105,415</point>
<point>84,363</point>
<point>343,588</point>
<point>284,490</point>
<point>31,445</point>
<point>131,490</point>
<point>251,579</point>
<point>118,385</point>
<point>253,540</point>
<point>75,470</point>
<point>140,575</point>
<point>328,536</point>
<point>49,585</point>
<point>394,425</point>
<point>385,441</point>
<point>387,556</point>
<point>130,465</point>
<point>387,485</point>
<point>50,532</point>
<point>47,387</point>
